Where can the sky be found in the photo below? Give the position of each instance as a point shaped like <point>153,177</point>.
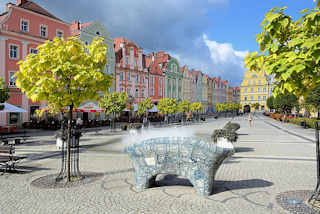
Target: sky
<point>212,36</point>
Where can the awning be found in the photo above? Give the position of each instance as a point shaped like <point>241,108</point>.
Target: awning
<point>8,108</point>
<point>89,107</point>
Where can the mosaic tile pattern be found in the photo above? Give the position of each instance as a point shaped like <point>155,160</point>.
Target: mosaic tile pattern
<point>196,159</point>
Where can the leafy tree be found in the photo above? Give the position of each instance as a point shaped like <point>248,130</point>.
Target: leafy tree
<point>196,107</point>
<point>313,98</point>
<point>4,93</point>
<point>144,106</point>
<point>255,106</point>
<point>183,107</point>
<point>289,51</point>
<point>270,102</point>
<point>65,73</point>
<point>167,106</point>
<point>113,103</point>
<point>285,103</point>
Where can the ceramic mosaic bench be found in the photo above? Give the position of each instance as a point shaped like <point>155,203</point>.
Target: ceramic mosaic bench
<point>193,158</point>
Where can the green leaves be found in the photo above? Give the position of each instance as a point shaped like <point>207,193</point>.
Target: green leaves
<point>196,106</point>
<point>64,73</point>
<point>184,106</point>
<point>113,102</point>
<point>144,105</point>
<point>167,106</point>
<point>290,50</point>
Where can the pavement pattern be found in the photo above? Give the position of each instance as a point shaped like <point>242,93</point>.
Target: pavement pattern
<point>271,158</point>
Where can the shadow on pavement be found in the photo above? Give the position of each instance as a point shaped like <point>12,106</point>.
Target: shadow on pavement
<point>23,170</point>
<point>244,149</point>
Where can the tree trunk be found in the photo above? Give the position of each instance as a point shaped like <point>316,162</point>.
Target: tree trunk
<point>69,143</point>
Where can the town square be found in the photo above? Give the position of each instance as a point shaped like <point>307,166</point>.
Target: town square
<point>138,108</point>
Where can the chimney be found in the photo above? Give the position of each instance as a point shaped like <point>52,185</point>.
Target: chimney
<point>19,2</point>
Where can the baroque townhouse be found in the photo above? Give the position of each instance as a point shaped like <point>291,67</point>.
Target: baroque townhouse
<point>156,65</point>
<point>173,79</point>
<point>204,100</point>
<point>186,78</point>
<point>86,33</point>
<point>210,94</point>
<point>229,94</point>
<point>224,90</point>
<point>193,85</point>
<point>236,94</point>
<point>131,72</point>
<point>198,88</point>
<point>23,26</point>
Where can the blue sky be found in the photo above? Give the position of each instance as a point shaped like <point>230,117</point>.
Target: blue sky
<point>208,35</point>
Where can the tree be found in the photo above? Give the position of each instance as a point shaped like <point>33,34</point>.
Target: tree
<point>183,107</point>
<point>289,51</point>
<point>4,93</point>
<point>167,106</point>
<point>255,106</point>
<point>285,103</point>
<point>113,103</point>
<point>65,73</point>
<point>144,106</point>
<point>270,102</point>
<point>196,107</point>
<point>313,98</point>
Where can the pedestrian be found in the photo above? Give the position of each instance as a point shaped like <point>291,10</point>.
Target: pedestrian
<point>188,116</point>
<point>250,120</point>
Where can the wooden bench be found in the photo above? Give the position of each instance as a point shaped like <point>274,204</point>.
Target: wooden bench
<point>7,157</point>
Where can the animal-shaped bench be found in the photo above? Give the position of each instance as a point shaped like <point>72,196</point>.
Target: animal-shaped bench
<point>196,159</point>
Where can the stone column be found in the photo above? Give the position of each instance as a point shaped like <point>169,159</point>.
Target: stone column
<point>3,57</point>
<point>25,104</point>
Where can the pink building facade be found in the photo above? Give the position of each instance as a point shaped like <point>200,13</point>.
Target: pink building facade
<point>24,26</point>
<point>131,74</point>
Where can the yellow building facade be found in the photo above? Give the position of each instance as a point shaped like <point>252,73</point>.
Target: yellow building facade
<point>255,89</point>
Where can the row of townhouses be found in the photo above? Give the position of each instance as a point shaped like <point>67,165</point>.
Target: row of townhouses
<point>25,25</point>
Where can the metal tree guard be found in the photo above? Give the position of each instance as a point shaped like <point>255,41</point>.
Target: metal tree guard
<point>74,153</point>
<point>316,193</point>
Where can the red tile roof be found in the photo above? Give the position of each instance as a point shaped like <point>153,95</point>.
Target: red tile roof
<point>29,5</point>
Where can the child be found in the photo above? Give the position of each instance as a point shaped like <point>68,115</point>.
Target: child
<point>250,119</point>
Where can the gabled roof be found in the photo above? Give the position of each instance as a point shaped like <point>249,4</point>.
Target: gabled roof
<point>29,5</point>
<point>122,40</point>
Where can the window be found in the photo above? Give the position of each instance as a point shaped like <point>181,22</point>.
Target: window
<point>251,98</point>
<point>152,80</point>
<point>33,112</point>
<point>128,76</point>
<point>137,78</point>
<point>12,80</point>
<point>249,82</point>
<point>59,34</point>
<point>127,51</point>
<point>264,97</point>
<point>259,82</point>
<point>152,92</point>
<point>245,98</point>
<point>254,76</point>
<point>135,63</point>
<point>160,65</point>
<point>14,118</point>
<point>136,52</point>
<point>251,89</point>
<point>142,92</point>
<point>33,51</point>
<point>121,89</point>
<point>14,52</point>
<point>254,82</point>
<point>24,25</point>
<point>43,31</point>
<point>258,89</point>
<point>128,91</point>
<point>264,90</point>
<point>160,91</point>
<point>259,98</point>
<point>127,60</point>
<point>246,90</point>
<point>142,79</point>
<point>121,76</point>
<point>137,93</point>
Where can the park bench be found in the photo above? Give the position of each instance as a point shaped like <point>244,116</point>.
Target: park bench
<point>7,157</point>
<point>15,139</point>
<point>196,159</point>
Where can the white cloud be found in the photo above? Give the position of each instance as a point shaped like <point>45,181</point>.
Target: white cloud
<point>224,52</point>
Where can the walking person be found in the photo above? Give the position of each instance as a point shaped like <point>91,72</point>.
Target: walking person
<point>250,120</point>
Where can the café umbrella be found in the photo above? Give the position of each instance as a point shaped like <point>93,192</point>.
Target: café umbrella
<point>8,108</point>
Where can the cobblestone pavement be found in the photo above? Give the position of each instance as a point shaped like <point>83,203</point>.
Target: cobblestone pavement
<point>268,161</point>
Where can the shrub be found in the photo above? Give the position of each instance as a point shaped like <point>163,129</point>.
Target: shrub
<point>229,135</point>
